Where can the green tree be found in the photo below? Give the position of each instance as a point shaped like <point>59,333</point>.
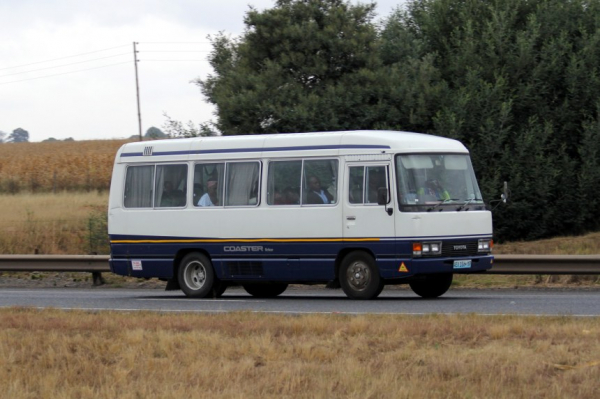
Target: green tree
<point>304,65</point>
<point>154,133</point>
<point>176,129</point>
<point>518,83</point>
<point>18,136</point>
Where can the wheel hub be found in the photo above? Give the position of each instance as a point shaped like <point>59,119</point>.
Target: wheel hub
<point>359,275</point>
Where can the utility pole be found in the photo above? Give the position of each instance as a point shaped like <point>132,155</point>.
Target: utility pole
<point>137,89</point>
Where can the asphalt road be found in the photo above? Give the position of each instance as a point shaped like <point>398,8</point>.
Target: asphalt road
<point>315,300</point>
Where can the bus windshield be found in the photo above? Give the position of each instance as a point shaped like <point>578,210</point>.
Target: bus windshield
<point>436,180</point>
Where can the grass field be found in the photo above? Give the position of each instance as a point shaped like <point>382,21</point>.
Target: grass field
<point>54,224</point>
<point>80,354</point>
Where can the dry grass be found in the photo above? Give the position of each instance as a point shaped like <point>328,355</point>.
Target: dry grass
<point>57,166</point>
<point>241,355</point>
<point>54,224</point>
<point>588,244</point>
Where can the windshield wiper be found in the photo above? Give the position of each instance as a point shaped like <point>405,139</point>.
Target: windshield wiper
<point>446,201</point>
<point>467,202</point>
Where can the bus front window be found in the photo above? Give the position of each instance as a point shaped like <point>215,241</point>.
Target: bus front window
<point>440,180</point>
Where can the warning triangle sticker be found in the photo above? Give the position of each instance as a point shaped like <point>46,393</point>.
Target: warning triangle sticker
<point>403,268</point>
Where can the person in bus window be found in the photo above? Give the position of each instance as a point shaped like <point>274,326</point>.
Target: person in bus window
<point>210,197</point>
<point>316,195</point>
<point>171,196</point>
<point>434,189</point>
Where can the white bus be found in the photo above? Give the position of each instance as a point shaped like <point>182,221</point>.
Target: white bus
<point>356,209</point>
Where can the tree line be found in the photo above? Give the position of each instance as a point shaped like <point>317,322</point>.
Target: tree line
<point>516,81</point>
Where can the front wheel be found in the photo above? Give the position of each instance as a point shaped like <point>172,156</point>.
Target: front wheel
<point>359,276</point>
<point>433,286</point>
<point>265,290</point>
<point>196,275</point>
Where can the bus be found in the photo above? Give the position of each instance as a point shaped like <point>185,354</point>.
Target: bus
<point>353,209</point>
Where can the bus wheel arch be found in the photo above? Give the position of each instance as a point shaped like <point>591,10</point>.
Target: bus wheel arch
<point>359,276</point>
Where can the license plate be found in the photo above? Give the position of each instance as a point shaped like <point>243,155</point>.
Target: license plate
<point>462,264</point>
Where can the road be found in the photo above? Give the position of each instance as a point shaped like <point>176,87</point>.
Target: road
<point>315,300</point>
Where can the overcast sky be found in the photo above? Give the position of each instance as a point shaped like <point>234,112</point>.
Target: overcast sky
<point>66,66</point>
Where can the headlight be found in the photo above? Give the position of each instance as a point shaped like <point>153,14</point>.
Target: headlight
<point>485,245</point>
<point>427,248</point>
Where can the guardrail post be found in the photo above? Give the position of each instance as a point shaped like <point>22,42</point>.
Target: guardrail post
<point>98,279</point>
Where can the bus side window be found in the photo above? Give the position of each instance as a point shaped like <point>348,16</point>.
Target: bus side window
<point>242,183</point>
<point>138,187</point>
<point>284,182</point>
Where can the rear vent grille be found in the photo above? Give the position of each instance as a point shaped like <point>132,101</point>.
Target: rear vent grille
<point>244,268</point>
<point>451,249</point>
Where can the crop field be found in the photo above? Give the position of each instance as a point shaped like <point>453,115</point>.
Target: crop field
<point>57,166</point>
<point>77,354</point>
<point>65,223</point>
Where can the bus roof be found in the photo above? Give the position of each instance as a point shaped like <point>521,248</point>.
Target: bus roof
<point>291,145</point>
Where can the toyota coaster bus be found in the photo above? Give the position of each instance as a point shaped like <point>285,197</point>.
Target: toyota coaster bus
<point>356,209</point>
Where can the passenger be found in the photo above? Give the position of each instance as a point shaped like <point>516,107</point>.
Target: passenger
<point>316,195</point>
<point>210,197</point>
<point>171,197</point>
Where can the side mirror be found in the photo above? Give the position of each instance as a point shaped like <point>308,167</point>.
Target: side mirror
<point>382,196</point>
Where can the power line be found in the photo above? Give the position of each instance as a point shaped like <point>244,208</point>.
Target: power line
<point>174,42</point>
<point>65,73</point>
<point>172,60</point>
<point>63,65</point>
<point>62,58</point>
<point>174,51</point>
<point>101,58</point>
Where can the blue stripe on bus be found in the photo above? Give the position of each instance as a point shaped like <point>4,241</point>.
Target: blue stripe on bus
<point>260,149</point>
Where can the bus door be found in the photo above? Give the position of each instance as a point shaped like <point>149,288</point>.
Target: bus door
<point>366,224</point>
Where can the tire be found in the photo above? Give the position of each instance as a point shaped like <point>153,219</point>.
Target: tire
<point>433,286</point>
<point>265,290</point>
<point>196,276</point>
<point>359,276</point>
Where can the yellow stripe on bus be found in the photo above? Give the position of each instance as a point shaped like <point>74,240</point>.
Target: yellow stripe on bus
<point>246,240</point>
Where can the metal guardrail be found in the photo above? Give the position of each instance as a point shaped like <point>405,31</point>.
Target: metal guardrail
<point>54,263</point>
<point>503,264</point>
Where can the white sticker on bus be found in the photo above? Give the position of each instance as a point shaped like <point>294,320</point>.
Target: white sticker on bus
<point>136,265</point>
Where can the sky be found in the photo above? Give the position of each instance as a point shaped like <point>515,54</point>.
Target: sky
<point>67,66</point>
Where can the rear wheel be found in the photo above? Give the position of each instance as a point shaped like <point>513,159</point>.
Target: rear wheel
<point>265,290</point>
<point>433,286</point>
<point>359,276</point>
<point>196,275</point>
